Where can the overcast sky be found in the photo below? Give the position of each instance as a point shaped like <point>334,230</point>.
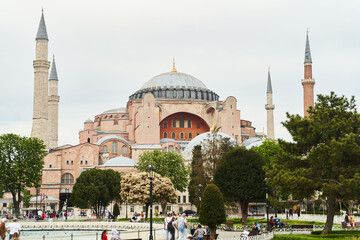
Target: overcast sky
<point>106,50</point>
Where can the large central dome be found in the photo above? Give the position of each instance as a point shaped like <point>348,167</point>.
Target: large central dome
<point>174,79</point>
<point>177,86</point>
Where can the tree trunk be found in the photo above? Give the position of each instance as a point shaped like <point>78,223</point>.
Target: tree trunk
<point>244,212</point>
<point>163,207</point>
<point>213,233</point>
<point>330,215</point>
<point>16,203</point>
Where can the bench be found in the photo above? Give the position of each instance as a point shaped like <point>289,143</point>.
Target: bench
<point>302,227</point>
<point>343,224</point>
<point>253,233</point>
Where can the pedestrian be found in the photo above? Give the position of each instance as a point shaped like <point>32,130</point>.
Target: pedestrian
<point>199,233</point>
<point>181,226</point>
<point>3,228</point>
<point>287,213</point>
<point>298,212</point>
<point>207,229</point>
<point>115,235</point>
<point>103,235</point>
<point>167,220</point>
<point>171,228</point>
<point>13,227</point>
<point>291,211</point>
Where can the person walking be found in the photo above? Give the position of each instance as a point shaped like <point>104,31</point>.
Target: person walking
<point>167,220</point>
<point>181,225</point>
<point>3,229</point>
<point>13,227</point>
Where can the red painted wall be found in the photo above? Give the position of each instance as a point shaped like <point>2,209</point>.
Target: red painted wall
<point>194,130</point>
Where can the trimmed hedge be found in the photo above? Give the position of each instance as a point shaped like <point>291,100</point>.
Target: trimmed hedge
<point>316,235</point>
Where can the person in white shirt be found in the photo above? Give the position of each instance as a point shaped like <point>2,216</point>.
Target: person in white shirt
<point>181,225</point>
<point>166,221</point>
<point>13,227</point>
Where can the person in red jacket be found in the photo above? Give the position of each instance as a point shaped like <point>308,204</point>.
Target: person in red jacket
<point>103,235</point>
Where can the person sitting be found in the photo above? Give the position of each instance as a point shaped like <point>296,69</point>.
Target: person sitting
<point>272,222</point>
<point>254,227</point>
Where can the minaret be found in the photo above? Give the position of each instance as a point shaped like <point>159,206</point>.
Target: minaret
<point>308,82</point>
<point>53,106</point>
<point>41,73</point>
<point>270,109</point>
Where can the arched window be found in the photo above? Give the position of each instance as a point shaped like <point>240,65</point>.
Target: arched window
<point>190,135</point>
<point>173,135</point>
<point>88,140</point>
<point>189,123</point>
<point>165,134</point>
<point>181,121</point>
<point>67,178</point>
<point>174,123</point>
<point>104,149</point>
<point>114,148</point>
<point>123,150</point>
<point>165,124</point>
<point>181,135</point>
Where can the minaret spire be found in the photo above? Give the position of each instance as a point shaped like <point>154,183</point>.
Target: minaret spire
<point>270,108</point>
<point>40,127</point>
<point>42,33</point>
<point>308,82</point>
<point>173,69</point>
<point>53,105</point>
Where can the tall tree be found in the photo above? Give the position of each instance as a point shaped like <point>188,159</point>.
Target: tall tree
<point>21,162</point>
<point>212,208</point>
<point>135,189</point>
<point>213,148</point>
<point>324,155</point>
<point>197,176</point>
<point>270,151</point>
<point>167,164</point>
<point>96,188</point>
<point>240,178</point>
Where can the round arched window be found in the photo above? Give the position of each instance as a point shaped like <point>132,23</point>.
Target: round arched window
<point>67,178</point>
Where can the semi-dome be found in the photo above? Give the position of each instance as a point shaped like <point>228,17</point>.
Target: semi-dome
<point>200,139</point>
<point>174,79</point>
<point>176,85</point>
<point>120,162</point>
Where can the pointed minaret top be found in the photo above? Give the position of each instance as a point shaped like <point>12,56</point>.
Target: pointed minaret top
<point>269,87</point>
<point>53,73</point>
<point>42,33</point>
<point>307,49</point>
<point>173,69</point>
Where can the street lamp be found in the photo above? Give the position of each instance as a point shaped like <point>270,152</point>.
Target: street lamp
<point>151,174</point>
<point>67,203</point>
<point>37,193</point>
<point>267,205</point>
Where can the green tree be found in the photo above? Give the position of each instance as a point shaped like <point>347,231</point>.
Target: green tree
<point>324,155</point>
<point>270,151</point>
<point>197,176</point>
<point>116,210</point>
<point>213,148</point>
<point>21,162</point>
<point>135,189</point>
<point>240,178</point>
<point>26,198</point>
<point>212,208</point>
<point>167,164</point>
<point>96,188</point>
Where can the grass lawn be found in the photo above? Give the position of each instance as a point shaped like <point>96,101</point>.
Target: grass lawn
<point>336,235</point>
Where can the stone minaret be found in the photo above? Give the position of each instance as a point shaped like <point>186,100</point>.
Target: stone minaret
<point>308,82</point>
<point>53,106</point>
<point>270,109</point>
<point>41,72</point>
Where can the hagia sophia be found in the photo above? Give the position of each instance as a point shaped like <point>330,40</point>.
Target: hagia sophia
<point>172,111</point>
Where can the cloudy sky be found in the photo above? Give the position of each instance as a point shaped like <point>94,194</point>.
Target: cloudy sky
<point>105,51</point>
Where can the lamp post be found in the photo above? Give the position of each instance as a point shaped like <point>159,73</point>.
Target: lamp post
<point>151,174</point>
<point>67,203</point>
<point>267,206</point>
<point>37,193</point>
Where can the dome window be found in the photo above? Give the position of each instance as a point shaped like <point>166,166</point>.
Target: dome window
<point>105,149</point>
<point>114,148</point>
<point>189,123</point>
<point>174,123</point>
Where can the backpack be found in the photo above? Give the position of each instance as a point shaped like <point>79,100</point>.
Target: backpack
<point>170,227</point>
<point>181,226</point>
